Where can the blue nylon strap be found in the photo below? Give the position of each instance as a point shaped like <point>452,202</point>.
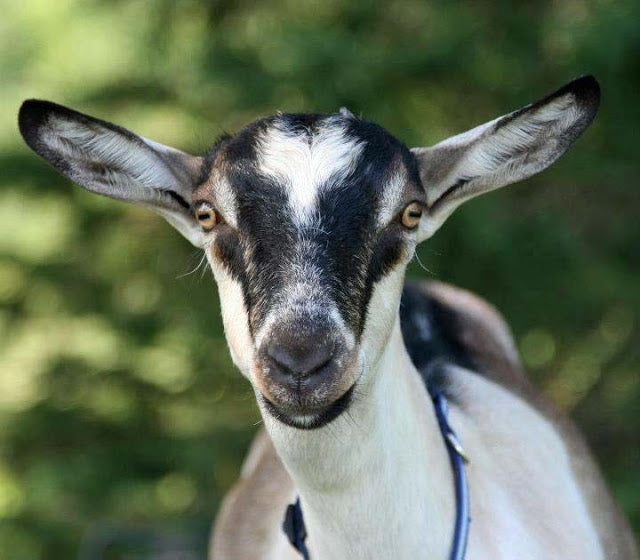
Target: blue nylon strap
<point>294,527</point>
<point>458,458</point>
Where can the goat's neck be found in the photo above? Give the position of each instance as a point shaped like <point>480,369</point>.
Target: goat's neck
<point>376,482</point>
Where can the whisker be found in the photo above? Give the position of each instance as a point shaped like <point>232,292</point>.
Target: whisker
<point>205,268</point>
<point>422,266</point>
<point>195,269</point>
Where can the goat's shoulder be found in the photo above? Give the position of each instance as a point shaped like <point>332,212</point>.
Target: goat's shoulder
<point>443,322</point>
<point>248,523</point>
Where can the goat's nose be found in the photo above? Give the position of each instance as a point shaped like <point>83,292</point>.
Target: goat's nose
<point>301,359</point>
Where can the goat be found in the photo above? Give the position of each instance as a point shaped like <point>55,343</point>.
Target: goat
<point>308,222</point>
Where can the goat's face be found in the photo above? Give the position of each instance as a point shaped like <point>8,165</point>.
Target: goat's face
<point>308,222</point>
<point>308,216</point>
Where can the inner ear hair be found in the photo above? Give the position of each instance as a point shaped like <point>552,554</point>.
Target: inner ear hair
<point>507,149</point>
<point>112,161</point>
<point>106,158</point>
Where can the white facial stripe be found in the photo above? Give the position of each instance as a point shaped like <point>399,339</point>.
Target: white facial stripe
<point>234,317</point>
<point>225,199</point>
<point>305,164</point>
<point>348,337</point>
<point>382,312</point>
<point>392,196</point>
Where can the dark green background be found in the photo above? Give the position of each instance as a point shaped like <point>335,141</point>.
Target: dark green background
<point>118,401</point>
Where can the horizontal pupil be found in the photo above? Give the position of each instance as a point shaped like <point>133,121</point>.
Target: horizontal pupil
<point>203,216</point>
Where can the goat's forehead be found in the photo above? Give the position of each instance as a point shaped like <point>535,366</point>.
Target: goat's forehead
<point>304,161</point>
<point>303,156</point>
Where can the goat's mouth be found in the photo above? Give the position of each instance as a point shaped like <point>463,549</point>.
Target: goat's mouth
<point>314,418</point>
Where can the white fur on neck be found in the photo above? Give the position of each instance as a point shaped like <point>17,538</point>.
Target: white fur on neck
<point>376,482</point>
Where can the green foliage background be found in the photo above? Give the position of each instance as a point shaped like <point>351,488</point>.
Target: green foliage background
<point>118,400</point>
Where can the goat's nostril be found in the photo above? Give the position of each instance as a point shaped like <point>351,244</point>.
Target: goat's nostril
<point>301,360</point>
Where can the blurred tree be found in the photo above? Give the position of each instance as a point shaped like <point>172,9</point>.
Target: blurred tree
<point>118,401</point>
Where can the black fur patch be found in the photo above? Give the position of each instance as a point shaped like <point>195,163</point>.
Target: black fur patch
<point>428,331</point>
<point>209,158</point>
<point>328,415</point>
<point>343,243</point>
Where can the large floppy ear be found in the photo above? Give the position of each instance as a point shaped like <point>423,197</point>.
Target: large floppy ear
<point>505,150</point>
<point>112,161</point>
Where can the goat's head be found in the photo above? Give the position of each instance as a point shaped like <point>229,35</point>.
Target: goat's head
<point>308,222</point>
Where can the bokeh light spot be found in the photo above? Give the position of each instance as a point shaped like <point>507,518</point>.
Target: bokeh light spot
<point>538,348</point>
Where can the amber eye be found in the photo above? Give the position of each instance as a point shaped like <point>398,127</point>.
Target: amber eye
<point>411,215</point>
<point>207,217</point>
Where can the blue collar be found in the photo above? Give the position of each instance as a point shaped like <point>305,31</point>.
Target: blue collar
<point>296,531</point>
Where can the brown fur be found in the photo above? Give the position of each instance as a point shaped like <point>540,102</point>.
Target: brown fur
<point>487,338</point>
<point>252,512</point>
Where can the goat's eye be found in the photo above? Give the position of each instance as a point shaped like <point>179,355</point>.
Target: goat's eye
<point>207,217</point>
<point>411,215</point>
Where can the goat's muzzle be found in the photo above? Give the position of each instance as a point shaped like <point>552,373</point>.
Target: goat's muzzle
<point>303,369</point>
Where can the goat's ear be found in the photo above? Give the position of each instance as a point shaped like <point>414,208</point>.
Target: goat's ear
<point>114,162</point>
<point>505,150</point>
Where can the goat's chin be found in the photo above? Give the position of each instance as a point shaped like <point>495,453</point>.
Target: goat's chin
<point>311,418</point>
